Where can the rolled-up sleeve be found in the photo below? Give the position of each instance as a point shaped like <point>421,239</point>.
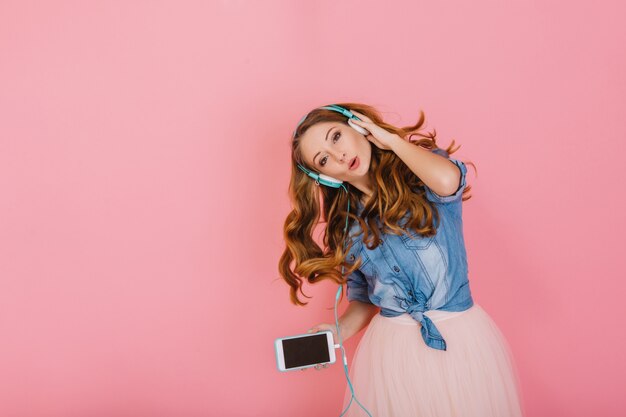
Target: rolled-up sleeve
<point>458,194</point>
<point>357,288</point>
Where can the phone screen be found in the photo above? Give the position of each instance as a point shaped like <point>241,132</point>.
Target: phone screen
<point>302,351</point>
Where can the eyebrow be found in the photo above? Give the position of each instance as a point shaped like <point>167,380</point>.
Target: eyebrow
<point>327,133</point>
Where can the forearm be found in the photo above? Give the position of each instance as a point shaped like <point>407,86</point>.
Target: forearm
<point>439,174</point>
<point>356,316</point>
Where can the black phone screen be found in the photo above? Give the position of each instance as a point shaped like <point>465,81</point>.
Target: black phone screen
<point>308,350</point>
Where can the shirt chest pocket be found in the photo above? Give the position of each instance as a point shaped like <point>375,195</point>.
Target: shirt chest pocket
<point>413,240</point>
<point>431,262</point>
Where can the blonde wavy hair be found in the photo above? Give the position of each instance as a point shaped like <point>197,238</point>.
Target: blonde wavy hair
<point>396,191</point>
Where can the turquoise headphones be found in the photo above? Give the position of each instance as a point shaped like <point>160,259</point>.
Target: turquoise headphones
<point>325,179</point>
<point>335,183</point>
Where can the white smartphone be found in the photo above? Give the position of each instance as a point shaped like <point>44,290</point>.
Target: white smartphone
<point>305,351</point>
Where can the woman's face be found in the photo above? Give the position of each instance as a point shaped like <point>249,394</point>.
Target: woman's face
<point>330,147</point>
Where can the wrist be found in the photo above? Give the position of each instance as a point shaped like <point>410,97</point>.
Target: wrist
<point>395,142</point>
<point>345,330</point>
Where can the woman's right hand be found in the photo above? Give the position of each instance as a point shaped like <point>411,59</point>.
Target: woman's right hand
<point>323,327</point>
<point>357,315</point>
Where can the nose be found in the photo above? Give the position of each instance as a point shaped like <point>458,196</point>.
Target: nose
<point>340,156</point>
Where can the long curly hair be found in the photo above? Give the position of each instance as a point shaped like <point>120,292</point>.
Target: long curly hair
<point>396,192</point>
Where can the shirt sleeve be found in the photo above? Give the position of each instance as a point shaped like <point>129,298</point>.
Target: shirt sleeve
<point>357,288</point>
<point>458,194</point>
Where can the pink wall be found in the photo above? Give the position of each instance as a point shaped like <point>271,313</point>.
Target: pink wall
<point>144,168</point>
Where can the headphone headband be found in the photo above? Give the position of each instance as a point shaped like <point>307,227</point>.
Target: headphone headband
<point>332,107</point>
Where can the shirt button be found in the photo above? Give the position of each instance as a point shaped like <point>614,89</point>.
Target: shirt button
<point>395,268</point>
<point>352,257</point>
<point>380,241</point>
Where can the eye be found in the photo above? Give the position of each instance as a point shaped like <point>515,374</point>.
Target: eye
<point>336,136</point>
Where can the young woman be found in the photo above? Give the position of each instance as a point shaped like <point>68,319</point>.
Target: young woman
<point>429,349</point>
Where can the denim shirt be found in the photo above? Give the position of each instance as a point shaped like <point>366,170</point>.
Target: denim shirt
<point>413,274</point>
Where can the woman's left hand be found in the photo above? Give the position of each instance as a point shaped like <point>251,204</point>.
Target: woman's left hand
<point>378,136</point>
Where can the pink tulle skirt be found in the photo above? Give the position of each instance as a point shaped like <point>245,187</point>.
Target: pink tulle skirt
<point>394,373</point>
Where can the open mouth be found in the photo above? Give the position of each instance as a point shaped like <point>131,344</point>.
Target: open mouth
<point>354,163</point>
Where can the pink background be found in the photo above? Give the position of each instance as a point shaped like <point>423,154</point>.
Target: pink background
<point>144,166</point>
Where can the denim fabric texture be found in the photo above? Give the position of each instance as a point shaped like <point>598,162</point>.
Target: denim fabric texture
<point>414,274</point>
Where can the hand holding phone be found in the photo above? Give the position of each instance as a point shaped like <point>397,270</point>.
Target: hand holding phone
<point>315,349</point>
<point>322,327</point>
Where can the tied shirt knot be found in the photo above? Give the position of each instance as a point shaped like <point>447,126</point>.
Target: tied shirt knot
<point>415,306</point>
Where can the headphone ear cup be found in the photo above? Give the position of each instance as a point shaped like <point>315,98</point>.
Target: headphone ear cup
<point>358,128</point>
<point>329,181</point>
